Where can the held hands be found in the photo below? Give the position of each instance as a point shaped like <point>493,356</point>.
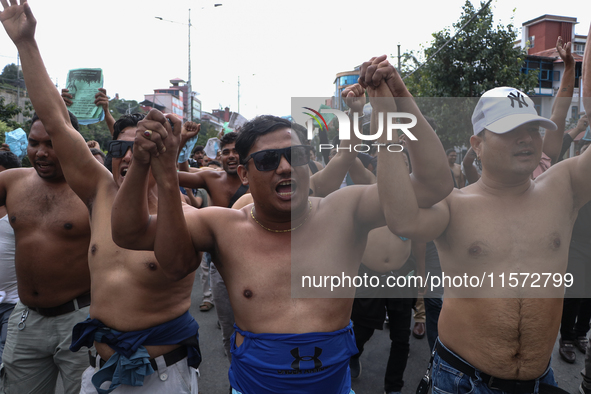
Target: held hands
<point>378,69</point>
<point>354,97</point>
<point>381,98</point>
<point>18,21</point>
<point>150,136</point>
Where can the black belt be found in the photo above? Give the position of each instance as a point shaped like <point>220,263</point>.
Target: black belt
<point>170,358</point>
<point>70,306</point>
<point>510,386</point>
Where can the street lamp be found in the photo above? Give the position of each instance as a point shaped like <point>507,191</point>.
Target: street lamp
<point>190,92</point>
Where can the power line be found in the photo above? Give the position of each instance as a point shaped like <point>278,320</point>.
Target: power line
<point>448,41</point>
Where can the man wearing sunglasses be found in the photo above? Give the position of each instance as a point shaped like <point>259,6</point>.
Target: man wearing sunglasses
<point>139,312</point>
<point>52,234</point>
<point>282,344</point>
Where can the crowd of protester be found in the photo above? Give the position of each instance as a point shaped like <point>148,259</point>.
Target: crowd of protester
<point>99,253</point>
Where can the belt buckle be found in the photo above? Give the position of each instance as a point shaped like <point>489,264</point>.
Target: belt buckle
<point>490,384</point>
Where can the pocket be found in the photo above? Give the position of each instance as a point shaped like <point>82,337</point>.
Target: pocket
<point>448,380</point>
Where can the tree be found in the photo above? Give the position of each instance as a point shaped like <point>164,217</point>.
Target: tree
<point>480,58</point>
<point>11,75</point>
<point>7,112</point>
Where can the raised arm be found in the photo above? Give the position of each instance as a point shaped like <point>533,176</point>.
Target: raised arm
<point>174,244</point>
<point>430,171</point>
<point>82,171</point>
<point>587,78</point>
<point>101,99</point>
<point>581,166</point>
<point>553,139</point>
<point>330,178</point>
<point>396,192</point>
<point>131,224</point>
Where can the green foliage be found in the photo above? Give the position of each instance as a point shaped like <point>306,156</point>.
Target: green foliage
<point>480,58</point>
<point>98,132</point>
<point>7,112</point>
<point>210,132</point>
<point>11,75</point>
<point>120,107</point>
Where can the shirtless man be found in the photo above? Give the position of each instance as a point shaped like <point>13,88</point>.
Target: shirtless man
<point>130,294</point>
<point>52,234</point>
<point>282,344</point>
<point>455,168</point>
<point>506,223</point>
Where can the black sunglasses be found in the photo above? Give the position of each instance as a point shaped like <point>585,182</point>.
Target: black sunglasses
<point>269,159</point>
<point>117,148</point>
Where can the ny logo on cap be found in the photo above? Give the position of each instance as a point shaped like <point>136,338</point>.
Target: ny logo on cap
<point>519,98</point>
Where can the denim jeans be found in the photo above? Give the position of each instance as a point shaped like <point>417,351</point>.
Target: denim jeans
<point>448,380</point>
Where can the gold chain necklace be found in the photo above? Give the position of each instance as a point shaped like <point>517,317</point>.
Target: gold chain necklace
<point>282,231</point>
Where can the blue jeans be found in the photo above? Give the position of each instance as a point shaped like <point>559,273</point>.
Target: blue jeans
<point>448,380</point>
<point>5,311</point>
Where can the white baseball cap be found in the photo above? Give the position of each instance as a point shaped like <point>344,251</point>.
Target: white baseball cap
<point>503,109</point>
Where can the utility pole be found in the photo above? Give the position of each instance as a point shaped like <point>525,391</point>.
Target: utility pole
<point>239,94</point>
<point>398,57</point>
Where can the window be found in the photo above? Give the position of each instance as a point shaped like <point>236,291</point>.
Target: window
<point>579,49</point>
<point>348,79</point>
<point>532,41</point>
<point>574,112</point>
<point>544,69</point>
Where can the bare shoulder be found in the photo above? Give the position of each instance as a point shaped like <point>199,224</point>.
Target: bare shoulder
<point>212,225</point>
<point>16,173</point>
<point>348,199</point>
<point>559,170</point>
<point>215,216</point>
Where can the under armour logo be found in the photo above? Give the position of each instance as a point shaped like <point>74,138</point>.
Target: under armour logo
<point>519,98</point>
<point>295,352</point>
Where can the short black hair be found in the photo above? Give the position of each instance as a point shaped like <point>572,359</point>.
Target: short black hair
<point>198,148</point>
<point>73,120</point>
<point>99,152</point>
<point>9,160</point>
<point>228,138</point>
<point>301,132</point>
<point>215,163</point>
<point>256,128</point>
<point>125,121</point>
<point>450,150</point>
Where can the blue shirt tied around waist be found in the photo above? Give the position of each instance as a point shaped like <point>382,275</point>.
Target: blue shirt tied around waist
<point>311,363</point>
<point>131,362</point>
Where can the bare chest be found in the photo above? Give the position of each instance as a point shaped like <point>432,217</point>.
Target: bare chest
<point>504,239</point>
<point>222,190</point>
<point>56,210</point>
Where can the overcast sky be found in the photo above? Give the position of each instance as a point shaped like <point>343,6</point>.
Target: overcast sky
<point>279,49</point>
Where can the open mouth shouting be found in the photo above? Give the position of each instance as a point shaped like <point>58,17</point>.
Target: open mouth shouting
<point>286,189</point>
<point>123,172</point>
